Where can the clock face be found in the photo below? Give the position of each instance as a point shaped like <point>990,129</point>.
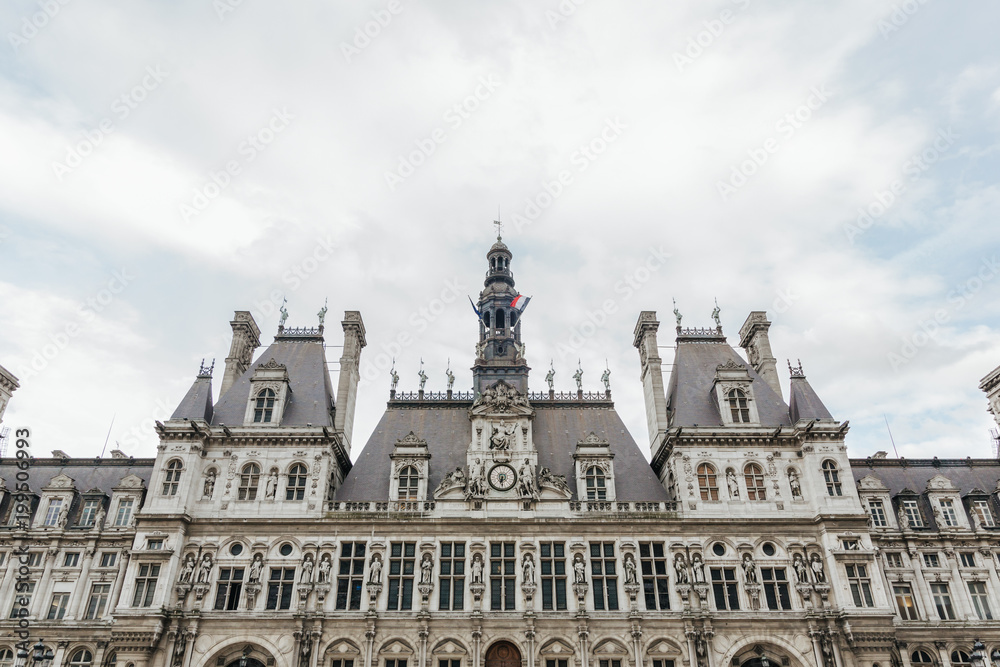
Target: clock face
<point>502,477</point>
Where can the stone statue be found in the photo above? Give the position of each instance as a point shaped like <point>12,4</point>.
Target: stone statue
<point>677,314</point>
<point>550,376</point>
<point>256,567</point>
<point>579,570</point>
<point>209,488</point>
<point>180,646</point>
<point>503,437</point>
<point>526,481</point>
<point>63,517</point>
<point>606,379</point>
<point>307,569</point>
<point>817,569</point>
<point>476,488</point>
<point>450,376</point>
<point>324,569</point>
<point>680,569</point>
<point>546,476</point>
<point>793,482</point>
<point>205,569</point>
<point>187,571</point>
<point>801,571</point>
<point>477,569</point>
<point>698,568</point>
<point>394,375</point>
<point>578,376</point>
<point>733,484</point>
<point>99,517</point>
<point>528,569</point>
<point>904,519</point>
<point>630,574</point>
<point>283,311</point>
<point>271,488</point>
<point>715,315</point>
<point>422,375</point>
<point>322,313</point>
<point>427,569</point>
<point>749,569</point>
<point>455,478</point>
<point>977,521</point>
<point>375,571</point>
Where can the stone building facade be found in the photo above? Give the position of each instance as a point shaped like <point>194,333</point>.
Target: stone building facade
<point>503,527</point>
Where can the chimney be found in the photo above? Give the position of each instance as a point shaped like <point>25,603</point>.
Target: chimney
<point>652,377</point>
<point>246,339</point>
<point>753,339</point>
<point>350,374</point>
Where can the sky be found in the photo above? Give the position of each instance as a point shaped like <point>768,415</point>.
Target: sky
<point>166,163</point>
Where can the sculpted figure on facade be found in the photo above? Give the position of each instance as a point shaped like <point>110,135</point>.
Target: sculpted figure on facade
<point>256,567</point>
<point>476,488</point>
<point>477,569</point>
<point>551,376</point>
<point>526,481</point>
<point>99,517</point>
<point>733,484</point>
<point>422,375</point>
<point>578,376</point>
<point>528,569</point>
<point>209,488</point>
<point>579,570</point>
<point>801,570</point>
<point>680,569</point>
<point>816,564</point>
<point>187,570</point>
<point>504,436</point>
<point>271,488</point>
<point>455,478</point>
<point>698,568</point>
<point>375,571</point>
<point>451,377</point>
<point>323,572</point>
<point>630,571</point>
<point>427,569</point>
<point>547,478</point>
<point>394,376</point>
<point>307,569</point>
<point>606,379</point>
<point>749,569</point>
<point>793,482</point>
<point>205,569</point>
<point>904,519</point>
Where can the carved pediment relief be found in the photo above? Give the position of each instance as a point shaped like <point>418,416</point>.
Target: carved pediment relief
<point>940,483</point>
<point>610,647</point>
<point>872,483</point>
<point>343,647</point>
<point>130,482</point>
<point>397,647</point>
<point>556,647</point>
<point>61,481</point>
<point>449,647</point>
<point>501,398</point>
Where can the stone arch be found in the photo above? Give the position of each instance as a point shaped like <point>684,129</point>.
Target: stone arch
<point>449,647</point>
<point>610,648</point>
<point>343,648</point>
<point>751,645</point>
<point>503,653</point>
<point>231,648</point>
<point>395,646</point>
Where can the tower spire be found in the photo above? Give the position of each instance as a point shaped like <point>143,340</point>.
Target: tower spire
<point>499,223</point>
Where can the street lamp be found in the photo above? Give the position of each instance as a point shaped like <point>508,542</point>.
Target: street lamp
<point>41,656</point>
<point>244,655</point>
<point>978,657</point>
<point>22,658</point>
<point>995,657</point>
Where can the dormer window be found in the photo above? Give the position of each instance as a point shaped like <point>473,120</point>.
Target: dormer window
<point>124,514</point>
<point>264,408</point>
<point>948,513</point>
<point>982,509</point>
<point>912,512</point>
<point>738,408</point>
<point>595,471</point>
<point>832,476</point>
<point>409,483</point>
<point>172,477</point>
<point>52,513</point>
<point>88,515</point>
<point>596,484</point>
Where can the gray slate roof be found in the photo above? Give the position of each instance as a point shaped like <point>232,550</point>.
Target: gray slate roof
<point>803,403</point>
<point>197,403</point>
<point>689,396</point>
<point>311,396</point>
<point>448,433</point>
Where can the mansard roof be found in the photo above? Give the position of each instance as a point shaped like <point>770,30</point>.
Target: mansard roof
<point>197,402</point>
<point>903,474</point>
<point>447,430</point>
<point>89,474</point>
<point>310,399</point>
<point>803,402</point>
<point>690,401</point>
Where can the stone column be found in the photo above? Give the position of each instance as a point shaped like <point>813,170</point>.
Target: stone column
<point>116,590</point>
<point>691,633</point>
<point>12,564</point>
<point>583,632</point>
<point>60,655</point>
<point>80,590</point>
<point>817,649</point>
<point>42,586</point>
<point>477,645</point>
<point>922,590</point>
<point>959,598</point>
<point>637,642</point>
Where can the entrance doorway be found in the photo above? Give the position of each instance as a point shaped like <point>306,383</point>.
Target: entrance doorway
<point>503,654</point>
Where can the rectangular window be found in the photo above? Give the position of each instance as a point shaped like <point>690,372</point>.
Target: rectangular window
<point>913,514</point>
<point>22,597</point>
<point>3,557</point>
<point>342,663</point>
<point>35,559</point>
<point>604,571</point>
<point>449,663</point>
<point>451,576</point>
<point>553,564</point>
<point>663,663</point>
<point>108,558</point>
<point>98,600</point>
<point>980,601</point>
<point>653,561</point>
<point>88,515</point>
<point>861,585</point>
<point>154,545</point>
<point>52,513</point>
<point>727,596</point>
<point>850,545</point>
<point>968,559</point>
<point>982,508</point>
<point>58,607</point>
<point>402,557</point>
<point>931,560</point>
<point>893,559</point>
<point>227,594</point>
<point>556,662</point>
<point>877,512</point>
<point>351,575</point>
<point>610,663</point>
<point>942,600</point>
<point>775,588</point>
<point>279,587</point>
<point>502,578</point>
<point>904,602</point>
<point>948,513</point>
<point>72,559</point>
<point>145,585</point>
<point>395,663</point>
<point>124,514</point>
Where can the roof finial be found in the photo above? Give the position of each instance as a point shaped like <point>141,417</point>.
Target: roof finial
<point>322,311</point>
<point>499,223</point>
<point>795,372</point>
<point>284,313</point>
<point>677,313</point>
<point>206,371</point>
<point>715,315</point>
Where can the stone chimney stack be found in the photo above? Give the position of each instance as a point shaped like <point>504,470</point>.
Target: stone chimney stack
<point>990,385</point>
<point>8,385</point>
<point>246,339</point>
<point>350,374</point>
<point>652,377</point>
<point>753,339</point>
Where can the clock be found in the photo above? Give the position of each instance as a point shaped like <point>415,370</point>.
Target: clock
<point>502,477</point>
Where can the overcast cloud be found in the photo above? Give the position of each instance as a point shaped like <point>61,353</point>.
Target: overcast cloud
<point>166,163</point>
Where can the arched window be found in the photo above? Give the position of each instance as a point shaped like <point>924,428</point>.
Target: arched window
<point>409,480</point>
<point>81,658</point>
<point>513,319</point>
<point>597,488</point>
<point>738,406</point>
<point>832,477</point>
<point>296,488</point>
<point>960,659</point>
<point>172,477</point>
<point>487,318</point>
<point>921,658</point>
<point>501,321</point>
<point>264,409</point>
<point>707,482</point>
<point>754,476</point>
<point>6,657</point>
<point>249,480</point>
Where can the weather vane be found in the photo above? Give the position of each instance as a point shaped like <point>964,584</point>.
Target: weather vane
<point>499,223</point>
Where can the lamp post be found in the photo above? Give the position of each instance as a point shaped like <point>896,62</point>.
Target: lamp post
<point>22,658</point>
<point>244,655</point>
<point>995,657</point>
<point>978,657</point>
<point>40,656</point>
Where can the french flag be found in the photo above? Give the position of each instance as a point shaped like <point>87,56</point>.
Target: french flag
<point>520,302</point>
